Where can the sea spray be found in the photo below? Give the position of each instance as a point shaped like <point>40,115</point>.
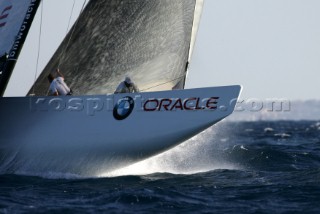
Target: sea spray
<point>202,153</point>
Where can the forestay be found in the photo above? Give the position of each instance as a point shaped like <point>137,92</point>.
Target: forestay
<point>148,40</point>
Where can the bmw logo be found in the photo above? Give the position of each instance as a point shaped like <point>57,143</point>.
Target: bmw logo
<point>123,108</point>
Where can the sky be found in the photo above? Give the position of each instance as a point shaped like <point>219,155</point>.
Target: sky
<point>270,47</point>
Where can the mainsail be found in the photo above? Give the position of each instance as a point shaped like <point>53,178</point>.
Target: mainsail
<point>148,40</point>
<point>15,21</point>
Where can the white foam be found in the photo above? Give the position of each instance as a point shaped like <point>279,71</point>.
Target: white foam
<point>188,158</point>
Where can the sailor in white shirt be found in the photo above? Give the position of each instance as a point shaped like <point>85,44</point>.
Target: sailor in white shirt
<point>127,86</point>
<point>57,85</point>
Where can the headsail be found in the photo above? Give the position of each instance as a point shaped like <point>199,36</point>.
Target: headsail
<point>15,20</point>
<point>148,40</point>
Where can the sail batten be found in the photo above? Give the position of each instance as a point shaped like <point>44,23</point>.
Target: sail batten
<point>15,21</point>
<point>148,40</point>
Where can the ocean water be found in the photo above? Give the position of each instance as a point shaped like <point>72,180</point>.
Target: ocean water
<point>233,167</point>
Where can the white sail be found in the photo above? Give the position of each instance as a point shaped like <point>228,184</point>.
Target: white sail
<point>196,23</point>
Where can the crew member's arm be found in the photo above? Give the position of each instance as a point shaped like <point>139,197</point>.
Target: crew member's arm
<point>59,73</point>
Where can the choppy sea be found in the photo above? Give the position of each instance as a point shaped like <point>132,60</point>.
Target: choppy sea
<point>233,167</point>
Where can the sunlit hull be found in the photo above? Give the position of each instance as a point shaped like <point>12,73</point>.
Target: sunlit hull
<point>88,135</point>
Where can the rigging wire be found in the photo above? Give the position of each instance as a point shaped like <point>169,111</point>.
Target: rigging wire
<point>39,48</point>
<point>68,27</point>
<point>65,49</point>
<point>71,14</point>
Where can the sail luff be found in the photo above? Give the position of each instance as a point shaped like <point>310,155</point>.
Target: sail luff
<point>19,39</point>
<point>195,27</point>
<point>196,23</point>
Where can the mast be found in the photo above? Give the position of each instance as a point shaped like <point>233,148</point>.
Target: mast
<point>12,33</point>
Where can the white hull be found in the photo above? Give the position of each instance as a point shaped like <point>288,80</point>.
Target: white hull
<point>87,135</point>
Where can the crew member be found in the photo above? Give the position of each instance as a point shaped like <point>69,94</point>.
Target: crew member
<point>127,86</point>
<point>57,85</point>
